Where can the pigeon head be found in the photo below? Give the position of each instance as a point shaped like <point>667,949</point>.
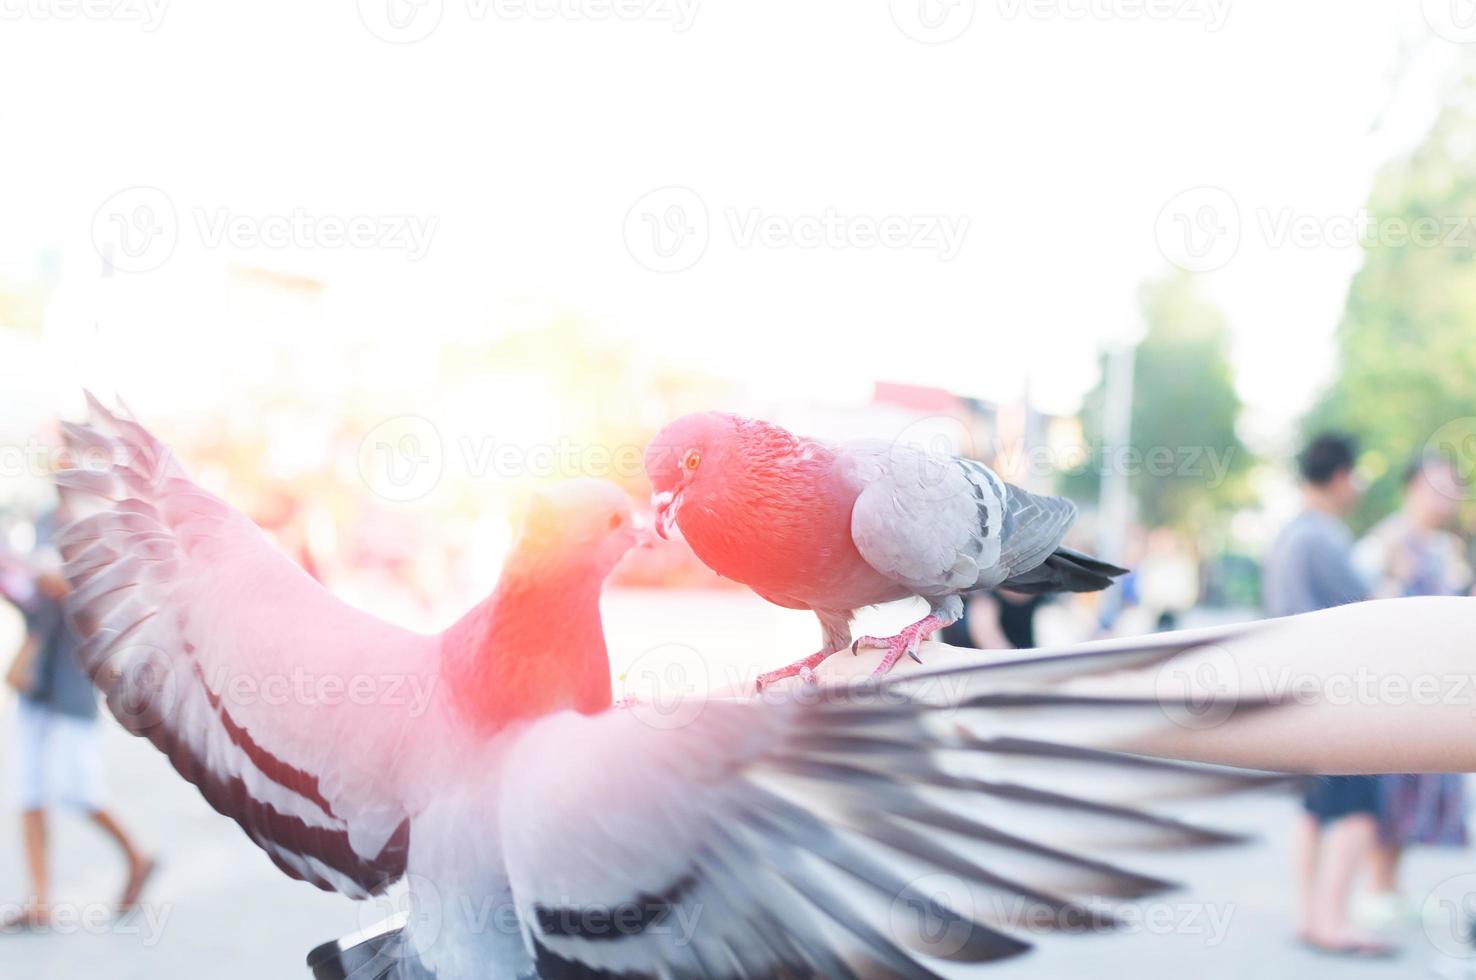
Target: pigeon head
<point>684,455</point>
<point>580,521</point>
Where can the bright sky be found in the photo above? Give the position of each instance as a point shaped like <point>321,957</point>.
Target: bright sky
<point>1016,174</point>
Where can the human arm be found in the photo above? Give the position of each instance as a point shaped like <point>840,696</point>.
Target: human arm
<point>20,677</point>
<point>1381,686</point>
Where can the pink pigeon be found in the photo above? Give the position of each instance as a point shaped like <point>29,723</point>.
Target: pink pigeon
<point>545,833</point>
<point>832,529</point>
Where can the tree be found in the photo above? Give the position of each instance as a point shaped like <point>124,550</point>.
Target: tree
<point>1186,464</point>
<point>1406,380</point>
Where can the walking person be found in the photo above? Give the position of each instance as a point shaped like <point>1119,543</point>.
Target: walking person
<point>58,738</point>
<point>1412,553</point>
<point>1310,567</point>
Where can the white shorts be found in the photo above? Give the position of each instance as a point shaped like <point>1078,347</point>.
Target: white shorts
<point>57,759</point>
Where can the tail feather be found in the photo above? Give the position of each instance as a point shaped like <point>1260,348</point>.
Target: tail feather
<point>1066,570</point>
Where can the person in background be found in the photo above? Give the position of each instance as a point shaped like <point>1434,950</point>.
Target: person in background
<point>1412,553</point>
<point>997,620</point>
<point>58,739</point>
<point>1310,567</point>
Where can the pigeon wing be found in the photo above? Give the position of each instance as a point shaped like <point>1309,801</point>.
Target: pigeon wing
<point>286,707</point>
<point>856,834</point>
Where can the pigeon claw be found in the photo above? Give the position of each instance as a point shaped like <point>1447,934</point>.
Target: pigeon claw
<point>903,644</point>
<point>804,669</point>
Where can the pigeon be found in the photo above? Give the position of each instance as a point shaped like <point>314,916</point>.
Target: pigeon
<point>808,525</point>
<point>543,830</point>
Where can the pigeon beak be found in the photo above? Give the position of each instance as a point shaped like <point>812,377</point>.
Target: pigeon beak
<point>665,504</point>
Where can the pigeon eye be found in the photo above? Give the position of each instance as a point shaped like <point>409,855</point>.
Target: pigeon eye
<point>692,461</point>
<point>615,521</point>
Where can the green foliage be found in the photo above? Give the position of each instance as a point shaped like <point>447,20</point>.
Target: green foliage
<point>1406,379</point>
<point>1187,465</point>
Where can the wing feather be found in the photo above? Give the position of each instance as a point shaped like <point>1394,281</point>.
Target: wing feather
<point>941,525</point>
<point>222,652</point>
<point>836,814</point>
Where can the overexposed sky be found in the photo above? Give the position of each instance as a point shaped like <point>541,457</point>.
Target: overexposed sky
<point>804,196</point>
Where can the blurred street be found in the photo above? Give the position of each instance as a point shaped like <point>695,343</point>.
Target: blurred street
<point>219,909</point>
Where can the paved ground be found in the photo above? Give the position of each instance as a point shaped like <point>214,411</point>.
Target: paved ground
<point>220,910</point>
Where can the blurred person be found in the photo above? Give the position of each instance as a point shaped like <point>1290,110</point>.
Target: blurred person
<point>1167,578</point>
<point>1310,567</point>
<point>1412,553</point>
<point>58,739</point>
<point>995,620</point>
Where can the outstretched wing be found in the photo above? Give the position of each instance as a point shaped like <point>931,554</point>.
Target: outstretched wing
<point>860,832</point>
<point>942,524</point>
<point>285,706</point>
